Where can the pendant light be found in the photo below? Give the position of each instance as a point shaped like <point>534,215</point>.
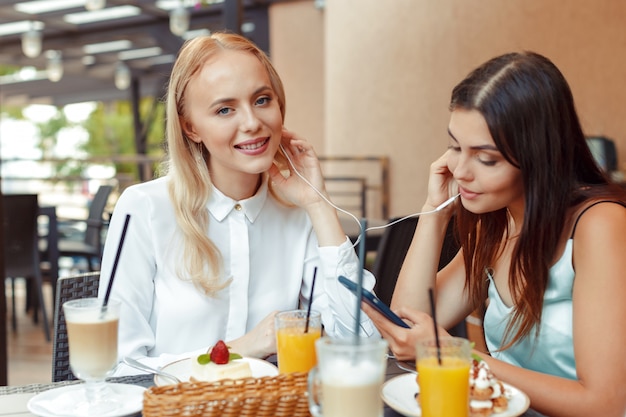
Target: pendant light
<point>31,42</point>
<point>92,5</point>
<point>54,66</point>
<point>179,20</point>
<point>122,76</point>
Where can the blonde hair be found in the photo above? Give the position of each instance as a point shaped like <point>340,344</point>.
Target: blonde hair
<point>186,166</point>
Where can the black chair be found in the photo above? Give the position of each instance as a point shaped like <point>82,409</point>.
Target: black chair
<point>390,255</point>
<point>604,152</point>
<point>68,288</point>
<point>21,254</point>
<point>89,244</point>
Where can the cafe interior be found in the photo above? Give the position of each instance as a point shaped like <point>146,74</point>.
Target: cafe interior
<point>367,83</point>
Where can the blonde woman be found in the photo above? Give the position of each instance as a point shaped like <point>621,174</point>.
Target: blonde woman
<point>231,234</point>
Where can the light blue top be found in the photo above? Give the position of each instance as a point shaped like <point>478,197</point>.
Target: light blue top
<point>552,352</point>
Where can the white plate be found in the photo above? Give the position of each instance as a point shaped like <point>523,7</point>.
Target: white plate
<point>60,402</point>
<point>399,394</point>
<point>182,370</point>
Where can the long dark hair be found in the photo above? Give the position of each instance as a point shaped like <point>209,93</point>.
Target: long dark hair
<point>530,112</point>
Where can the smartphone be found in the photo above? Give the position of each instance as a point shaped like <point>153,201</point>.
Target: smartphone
<point>375,302</point>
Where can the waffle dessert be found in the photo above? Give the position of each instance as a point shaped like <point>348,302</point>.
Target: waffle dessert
<point>487,393</point>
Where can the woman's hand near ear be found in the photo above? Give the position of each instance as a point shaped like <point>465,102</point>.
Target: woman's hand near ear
<point>310,192</point>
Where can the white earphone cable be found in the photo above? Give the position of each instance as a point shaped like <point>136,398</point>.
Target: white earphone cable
<point>436,209</point>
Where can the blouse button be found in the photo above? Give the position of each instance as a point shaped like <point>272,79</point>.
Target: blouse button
<point>238,207</point>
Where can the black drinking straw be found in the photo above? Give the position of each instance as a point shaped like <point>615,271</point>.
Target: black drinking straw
<point>359,286</point>
<point>117,258</point>
<point>308,312</point>
<point>432,309</point>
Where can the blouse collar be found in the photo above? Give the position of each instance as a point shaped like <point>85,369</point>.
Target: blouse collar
<point>220,205</point>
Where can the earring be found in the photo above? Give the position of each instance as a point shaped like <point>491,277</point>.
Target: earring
<point>199,153</point>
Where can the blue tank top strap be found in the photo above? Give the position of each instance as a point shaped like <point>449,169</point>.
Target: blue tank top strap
<point>588,207</point>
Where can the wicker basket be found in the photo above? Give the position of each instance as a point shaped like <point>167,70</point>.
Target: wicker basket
<point>277,396</point>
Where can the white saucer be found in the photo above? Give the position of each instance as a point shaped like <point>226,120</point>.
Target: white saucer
<point>182,370</point>
<point>399,394</point>
<point>59,402</point>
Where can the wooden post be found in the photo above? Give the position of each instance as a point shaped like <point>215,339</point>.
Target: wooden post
<point>4,359</point>
<point>233,15</point>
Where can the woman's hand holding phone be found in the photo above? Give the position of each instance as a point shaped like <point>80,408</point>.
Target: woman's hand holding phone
<point>375,302</point>
<point>402,330</point>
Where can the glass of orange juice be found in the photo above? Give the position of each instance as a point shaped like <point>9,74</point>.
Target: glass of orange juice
<point>443,377</point>
<point>295,343</point>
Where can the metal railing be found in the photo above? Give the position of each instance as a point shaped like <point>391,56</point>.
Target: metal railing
<point>359,185</point>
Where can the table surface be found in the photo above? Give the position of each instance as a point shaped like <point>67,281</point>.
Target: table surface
<point>13,399</point>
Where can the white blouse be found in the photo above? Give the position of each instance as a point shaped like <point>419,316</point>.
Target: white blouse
<point>268,249</point>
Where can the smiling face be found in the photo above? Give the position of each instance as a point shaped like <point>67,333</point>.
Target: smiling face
<point>487,181</point>
<point>232,109</point>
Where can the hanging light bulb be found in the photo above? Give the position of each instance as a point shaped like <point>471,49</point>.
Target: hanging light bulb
<point>179,20</point>
<point>31,42</point>
<point>92,5</point>
<point>54,66</point>
<point>122,76</point>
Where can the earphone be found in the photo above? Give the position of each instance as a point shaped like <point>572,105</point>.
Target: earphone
<point>436,209</point>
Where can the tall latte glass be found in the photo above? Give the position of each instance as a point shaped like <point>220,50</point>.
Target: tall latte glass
<point>92,332</point>
<point>348,378</point>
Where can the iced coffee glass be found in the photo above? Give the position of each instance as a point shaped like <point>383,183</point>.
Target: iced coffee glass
<point>348,378</point>
<point>92,331</point>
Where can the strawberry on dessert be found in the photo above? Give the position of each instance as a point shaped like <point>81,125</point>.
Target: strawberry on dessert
<point>219,364</point>
<point>220,354</point>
